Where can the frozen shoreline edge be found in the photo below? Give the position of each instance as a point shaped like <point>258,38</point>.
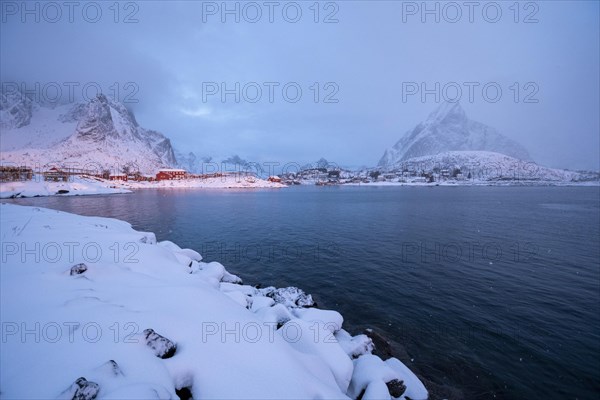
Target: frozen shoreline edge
<point>10,190</point>
<point>345,365</point>
<point>85,186</point>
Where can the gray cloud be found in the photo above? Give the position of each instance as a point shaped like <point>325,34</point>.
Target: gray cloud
<point>171,54</point>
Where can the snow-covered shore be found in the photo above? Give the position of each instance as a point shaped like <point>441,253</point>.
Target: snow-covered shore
<point>89,297</point>
<point>76,186</point>
<point>477,183</point>
<point>80,186</point>
<point>223,182</point>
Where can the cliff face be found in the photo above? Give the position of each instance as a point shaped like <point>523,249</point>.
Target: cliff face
<point>100,132</point>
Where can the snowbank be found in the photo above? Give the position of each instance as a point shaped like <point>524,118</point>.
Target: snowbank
<point>141,319</point>
<point>224,182</point>
<point>76,186</point>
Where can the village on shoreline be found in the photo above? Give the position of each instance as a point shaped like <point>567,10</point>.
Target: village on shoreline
<point>21,181</point>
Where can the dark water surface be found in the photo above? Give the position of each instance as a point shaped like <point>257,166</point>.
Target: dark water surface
<point>495,290</point>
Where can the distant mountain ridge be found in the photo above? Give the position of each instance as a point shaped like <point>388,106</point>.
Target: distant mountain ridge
<point>101,133</point>
<point>449,129</point>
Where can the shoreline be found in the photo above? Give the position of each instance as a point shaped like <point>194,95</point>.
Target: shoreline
<point>84,186</point>
<point>307,344</point>
<point>90,187</point>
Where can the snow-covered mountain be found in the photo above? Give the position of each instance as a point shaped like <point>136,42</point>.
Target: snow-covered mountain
<point>197,164</point>
<point>449,129</point>
<point>99,134</point>
<point>188,161</point>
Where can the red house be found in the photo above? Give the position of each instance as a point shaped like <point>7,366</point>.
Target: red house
<point>118,177</point>
<point>275,179</point>
<point>145,178</point>
<point>170,174</point>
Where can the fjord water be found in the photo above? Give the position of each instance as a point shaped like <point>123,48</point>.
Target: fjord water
<point>493,290</point>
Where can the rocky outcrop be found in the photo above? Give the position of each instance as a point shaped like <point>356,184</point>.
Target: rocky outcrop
<point>163,347</point>
<point>83,389</point>
<point>78,269</point>
<point>289,296</point>
<point>396,388</point>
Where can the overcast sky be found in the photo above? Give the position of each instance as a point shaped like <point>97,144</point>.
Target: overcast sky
<point>178,53</point>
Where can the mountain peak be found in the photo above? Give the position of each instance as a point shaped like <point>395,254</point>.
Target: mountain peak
<point>101,97</point>
<point>447,110</point>
<point>449,129</point>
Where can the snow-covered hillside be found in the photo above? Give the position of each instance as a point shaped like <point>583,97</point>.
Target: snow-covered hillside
<point>485,166</point>
<point>99,134</point>
<point>93,309</point>
<point>27,125</point>
<point>449,129</point>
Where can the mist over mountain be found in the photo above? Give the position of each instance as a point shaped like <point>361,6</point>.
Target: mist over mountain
<point>15,110</point>
<point>449,129</point>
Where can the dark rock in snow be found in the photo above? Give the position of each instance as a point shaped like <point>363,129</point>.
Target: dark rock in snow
<point>282,322</point>
<point>78,269</point>
<point>163,347</point>
<point>383,348</point>
<point>361,394</point>
<point>289,296</point>
<point>62,191</point>
<point>184,393</point>
<point>396,388</point>
<point>84,389</point>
